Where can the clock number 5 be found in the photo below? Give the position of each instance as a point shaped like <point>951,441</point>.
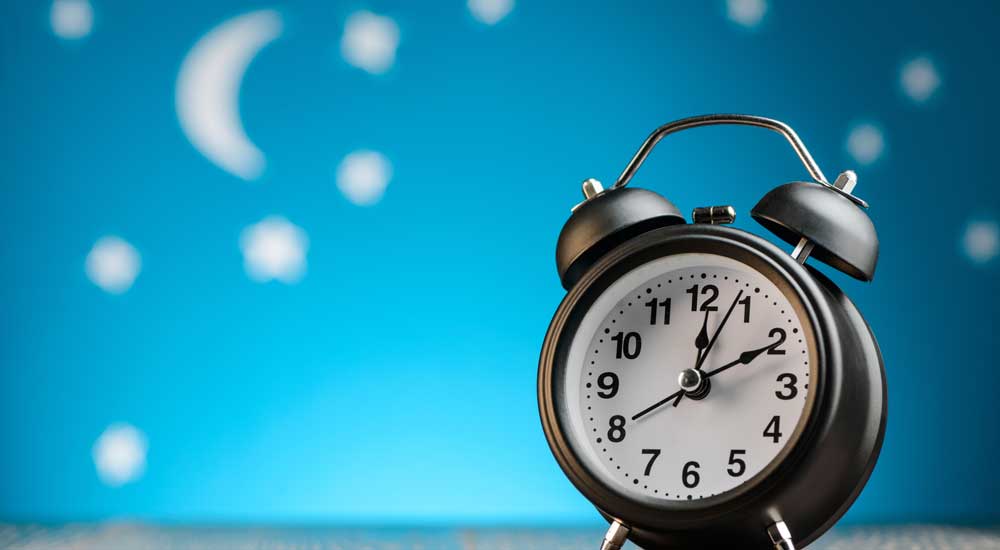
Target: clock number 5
<point>627,345</point>
<point>737,465</point>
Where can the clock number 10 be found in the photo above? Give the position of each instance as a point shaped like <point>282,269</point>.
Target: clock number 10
<point>628,345</point>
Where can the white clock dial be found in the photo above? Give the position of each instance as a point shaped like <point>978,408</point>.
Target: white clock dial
<point>630,420</point>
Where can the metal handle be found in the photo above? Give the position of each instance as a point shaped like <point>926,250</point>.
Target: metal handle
<point>732,119</point>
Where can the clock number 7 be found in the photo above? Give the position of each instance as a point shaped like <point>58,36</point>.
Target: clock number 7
<point>655,454</point>
<point>653,305</point>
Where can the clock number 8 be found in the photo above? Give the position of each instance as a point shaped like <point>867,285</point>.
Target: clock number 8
<point>616,433</point>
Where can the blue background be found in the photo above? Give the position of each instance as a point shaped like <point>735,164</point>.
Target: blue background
<point>396,381</point>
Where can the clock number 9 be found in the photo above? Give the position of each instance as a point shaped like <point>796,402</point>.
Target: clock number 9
<point>616,433</point>
<point>628,345</point>
<point>608,382</point>
<point>689,475</point>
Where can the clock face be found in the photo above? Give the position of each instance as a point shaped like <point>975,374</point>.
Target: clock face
<point>742,348</point>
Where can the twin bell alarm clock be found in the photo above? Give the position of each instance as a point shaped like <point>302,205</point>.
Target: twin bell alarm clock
<point>702,387</point>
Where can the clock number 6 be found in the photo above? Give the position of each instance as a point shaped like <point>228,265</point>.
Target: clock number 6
<point>689,475</point>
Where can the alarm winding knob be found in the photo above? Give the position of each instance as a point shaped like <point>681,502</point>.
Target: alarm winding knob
<point>829,218</point>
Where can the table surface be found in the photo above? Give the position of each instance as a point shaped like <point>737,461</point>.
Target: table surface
<point>132,536</point>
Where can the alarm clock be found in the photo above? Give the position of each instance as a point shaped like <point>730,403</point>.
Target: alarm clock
<point>701,386</point>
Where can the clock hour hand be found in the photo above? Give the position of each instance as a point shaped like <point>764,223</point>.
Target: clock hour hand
<point>701,341</point>
<point>718,331</point>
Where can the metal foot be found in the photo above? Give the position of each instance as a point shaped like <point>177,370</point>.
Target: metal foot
<point>614,539</point>
<point>781,537</point>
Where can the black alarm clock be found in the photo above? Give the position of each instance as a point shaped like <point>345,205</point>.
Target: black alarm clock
<point>702,387</point>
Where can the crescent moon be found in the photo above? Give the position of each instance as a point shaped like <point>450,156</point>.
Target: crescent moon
<point>208,90</point>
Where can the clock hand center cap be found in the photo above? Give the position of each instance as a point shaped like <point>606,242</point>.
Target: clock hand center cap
<point>690,379</point>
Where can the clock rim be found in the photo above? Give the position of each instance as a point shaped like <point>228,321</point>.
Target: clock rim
<point>758,254</point>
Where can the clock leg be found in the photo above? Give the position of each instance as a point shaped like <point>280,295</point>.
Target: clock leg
<point>614,539</point>
<point>780,536</point>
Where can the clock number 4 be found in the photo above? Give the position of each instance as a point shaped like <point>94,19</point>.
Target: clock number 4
<point>627,345</point>
<point>654,306</point>
<point>773,429</point>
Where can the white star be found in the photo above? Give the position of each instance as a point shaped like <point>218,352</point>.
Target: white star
<point>274,248</point>
<point>370,41</point>
<point>920,79</point>
<point>490,11</point>
<point>363,176</point>
<point>71,19</point>
<point>865,143</point>
<point>120,454</point>
<point>981,240</point>
<point>113,264</point>
<point>746,13</point>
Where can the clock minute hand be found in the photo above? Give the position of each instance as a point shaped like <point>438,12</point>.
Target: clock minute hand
<point>745,358</point>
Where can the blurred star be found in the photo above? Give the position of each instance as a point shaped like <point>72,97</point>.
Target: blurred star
<point>370,41</point>
<point>113,264</point>
<point>71,19</point>
<point>120,454</point>
<point>920,79</point>
<point>274,248</point>
<point>746,13</point>
<point>981,240</point>
<point>490,11</point>
<point>865,143</point>
<point>363,176</point>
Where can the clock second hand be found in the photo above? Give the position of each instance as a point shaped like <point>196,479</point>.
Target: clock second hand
<point>703,353</point>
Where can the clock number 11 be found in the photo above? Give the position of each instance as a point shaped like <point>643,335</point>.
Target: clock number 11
<point>654,306</point>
